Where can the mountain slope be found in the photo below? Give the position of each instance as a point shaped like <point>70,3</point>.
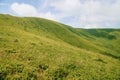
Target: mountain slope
<point>35,48</point>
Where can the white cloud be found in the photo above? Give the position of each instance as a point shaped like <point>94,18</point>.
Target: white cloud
<point>66,5</point>
<point>91,13</point>
<point>29,10</point>
<point>24,9</point>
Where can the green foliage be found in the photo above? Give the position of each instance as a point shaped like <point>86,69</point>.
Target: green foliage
<point>60,74</point>
<point>101,33</point>
<point>40,49</point>
<point>43,67</point>
<point>10,51</point>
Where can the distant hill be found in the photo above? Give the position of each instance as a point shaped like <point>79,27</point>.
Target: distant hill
<point>41,49</point>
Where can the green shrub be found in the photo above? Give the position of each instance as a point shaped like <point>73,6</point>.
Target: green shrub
<point>43,67</point>
<point>60,74</point>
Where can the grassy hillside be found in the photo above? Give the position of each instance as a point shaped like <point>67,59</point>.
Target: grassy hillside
<point>40,49</point>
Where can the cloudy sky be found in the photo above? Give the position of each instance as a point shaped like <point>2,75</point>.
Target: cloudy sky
<point>77,13</point>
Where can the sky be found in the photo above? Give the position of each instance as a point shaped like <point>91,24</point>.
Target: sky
<point>76,13</point>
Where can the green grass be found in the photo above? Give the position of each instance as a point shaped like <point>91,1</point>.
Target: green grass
<point>40,49</point>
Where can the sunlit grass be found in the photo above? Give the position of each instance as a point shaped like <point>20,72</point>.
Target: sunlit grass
<point>32,48</point>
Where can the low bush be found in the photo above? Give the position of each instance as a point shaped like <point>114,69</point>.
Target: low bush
<point>60,74</point>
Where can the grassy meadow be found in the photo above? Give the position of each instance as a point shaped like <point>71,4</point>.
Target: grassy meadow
<point>39,49</point>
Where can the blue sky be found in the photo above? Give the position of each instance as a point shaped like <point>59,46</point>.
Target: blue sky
<point>77,13</point>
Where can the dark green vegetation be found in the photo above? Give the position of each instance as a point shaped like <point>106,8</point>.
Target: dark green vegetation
<point>40,49</point>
